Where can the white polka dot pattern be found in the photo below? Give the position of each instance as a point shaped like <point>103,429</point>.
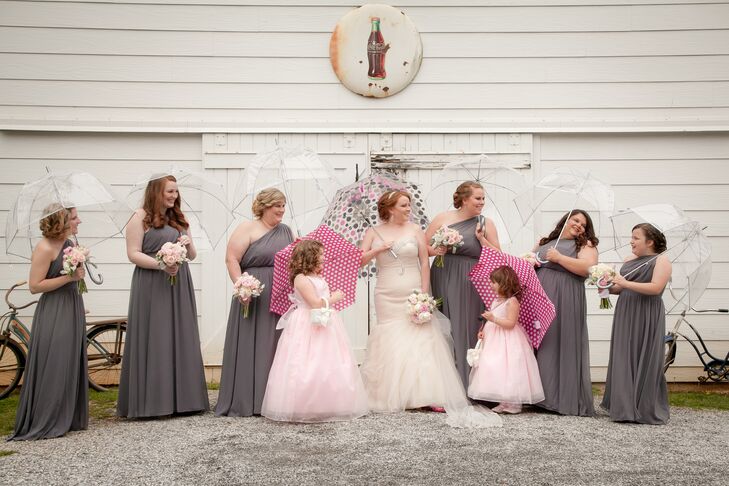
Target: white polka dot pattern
<point>341,264</point>
<point>536,311</point>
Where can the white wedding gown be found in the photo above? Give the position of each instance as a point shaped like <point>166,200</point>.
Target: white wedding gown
<point>411,365</point>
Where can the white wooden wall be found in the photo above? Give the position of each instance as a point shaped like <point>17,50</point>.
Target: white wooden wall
<point>689,170</point>
<point>233,77</point>
<point>262,66</point>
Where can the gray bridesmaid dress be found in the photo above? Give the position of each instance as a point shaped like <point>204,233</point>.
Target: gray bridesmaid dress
<point>635,389</point>
<point>250,343</point>
<point>461,303</point>
<point>54,397</point>
<point>564,355</point>
<point>162,368</point>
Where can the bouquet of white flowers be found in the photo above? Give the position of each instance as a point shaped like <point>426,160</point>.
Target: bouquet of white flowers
<point>601,275</point>
<point>447,237</point>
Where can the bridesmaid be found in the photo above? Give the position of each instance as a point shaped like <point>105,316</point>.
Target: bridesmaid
<point>250,343</point>
<point>635,389</point>
<point>54,397</point>
<point>564,355</point>
<point>162,368</point>
<point>461,303</point>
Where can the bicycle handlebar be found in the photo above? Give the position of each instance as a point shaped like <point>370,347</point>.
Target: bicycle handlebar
<point>13,306</point>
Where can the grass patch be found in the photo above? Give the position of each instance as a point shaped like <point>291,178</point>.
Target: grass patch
<point>699,400</point>
<point>7,453</point>
<point>213,385</point>
<point>7,413</point>
<point>102,405</point>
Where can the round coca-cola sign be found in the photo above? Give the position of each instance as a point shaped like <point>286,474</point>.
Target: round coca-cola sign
<point>375,50</point>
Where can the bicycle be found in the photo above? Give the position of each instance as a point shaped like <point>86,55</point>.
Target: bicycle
<point>716,369</point>
<point>104,347</point>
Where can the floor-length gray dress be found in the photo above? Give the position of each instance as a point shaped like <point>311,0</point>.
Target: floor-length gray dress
<point>564,355</point>
<point>162,368</point>
<point>54,397</point>
<point>250,343</point>
<point>635,389</point>
<point>461,303</point>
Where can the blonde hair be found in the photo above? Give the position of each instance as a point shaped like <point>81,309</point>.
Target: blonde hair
<point>464,191</point>
<point>265,199</point>
<point>56,225</point>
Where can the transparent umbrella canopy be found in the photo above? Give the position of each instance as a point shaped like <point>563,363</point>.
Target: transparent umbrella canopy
<point>102,214</point>
<point>688,248</point>
<point>501,185</point>
<point>564,190</point>
<point>354,208</point>
<point>202,199</point>
<point>307,181</point>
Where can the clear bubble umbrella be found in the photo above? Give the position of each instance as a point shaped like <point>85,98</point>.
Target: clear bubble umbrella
<point>501,185</point>
<point>103,214</point>
<point>688,248</point>
<point>354,207</point>
<point>564,190</point>
<point>306,180</point>
<point>202,199</point>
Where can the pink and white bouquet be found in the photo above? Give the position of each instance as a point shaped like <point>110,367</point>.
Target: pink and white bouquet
<point>601,275</point>
<point>531,257</point>
<point>420,306</point>
<point>73,256</point>
<point>171,254</point>
<point>246,288</point>
<point>447,237</point>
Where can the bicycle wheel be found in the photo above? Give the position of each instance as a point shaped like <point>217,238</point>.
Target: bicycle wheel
<point>104,349</point>
<point>12,365</point>
<point>670,357</point>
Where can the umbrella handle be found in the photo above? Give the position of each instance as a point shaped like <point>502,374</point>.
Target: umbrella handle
<point>539,259</point>
<point>95,276</point>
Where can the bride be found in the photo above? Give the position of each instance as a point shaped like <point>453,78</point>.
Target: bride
<point>410,365</point>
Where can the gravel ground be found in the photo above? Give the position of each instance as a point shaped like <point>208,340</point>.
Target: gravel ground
<point>403,448</point>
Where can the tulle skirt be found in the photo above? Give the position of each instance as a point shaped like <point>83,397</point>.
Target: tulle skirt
<point>314,376</point>
<point>411,366</point>
<point>507,370</point>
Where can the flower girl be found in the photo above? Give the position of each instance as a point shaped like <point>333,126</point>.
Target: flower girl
<point>506,370</point>
<point>314,376</point>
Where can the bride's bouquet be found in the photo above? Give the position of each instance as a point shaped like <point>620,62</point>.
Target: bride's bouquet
<point>601,275</point>
<point>447,237</point>
<point>171,254</point>
<point>73,256</point>
<point>246,288</point>
<point>420,306</point>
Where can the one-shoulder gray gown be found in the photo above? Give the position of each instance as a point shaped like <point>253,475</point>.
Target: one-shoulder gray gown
<point>635,389</point>
<point>162,368</point>
<point>564,355</point>
<point>461,303</point>
<point>250,343</point>
<point>54,396</point>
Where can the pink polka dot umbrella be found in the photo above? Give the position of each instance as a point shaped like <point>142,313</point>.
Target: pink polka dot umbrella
<point>536,311</point>
<point>341,264</point>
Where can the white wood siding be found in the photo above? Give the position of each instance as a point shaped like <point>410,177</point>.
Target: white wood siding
<point>260,66</point>
<point>690,170</point>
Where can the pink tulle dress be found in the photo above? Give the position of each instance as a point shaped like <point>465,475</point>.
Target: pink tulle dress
<point>314,376</point>
<point>506,370</point>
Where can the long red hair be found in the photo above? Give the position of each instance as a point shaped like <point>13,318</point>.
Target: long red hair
<point>156,213</point>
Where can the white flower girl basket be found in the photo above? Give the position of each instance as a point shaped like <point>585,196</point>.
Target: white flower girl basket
<point>321,316</point>
<point>472,354</point>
